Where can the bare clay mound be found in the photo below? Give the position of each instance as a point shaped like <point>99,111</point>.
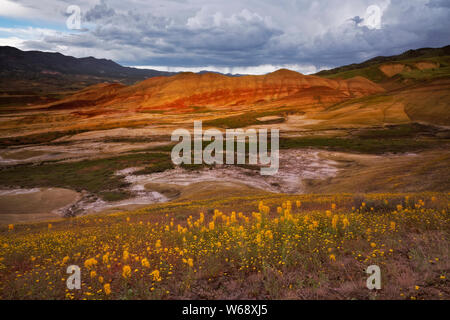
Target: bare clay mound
<point>426,65</point>
<point>29,205</point>
<point>392,69</point>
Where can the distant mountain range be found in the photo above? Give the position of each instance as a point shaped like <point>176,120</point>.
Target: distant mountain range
<point>225,74</point>
<point>18,64</point>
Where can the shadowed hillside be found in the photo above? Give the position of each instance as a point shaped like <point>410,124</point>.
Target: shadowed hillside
<point>18,64</point>
<point>382,68</point>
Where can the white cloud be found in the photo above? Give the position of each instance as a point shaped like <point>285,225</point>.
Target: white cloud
<point>13,9</point>
<point>19,37</point>
<point>12,42</point>
<point>30,32</point>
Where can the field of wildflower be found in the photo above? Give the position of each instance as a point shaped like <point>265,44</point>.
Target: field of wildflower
<point>266,247</point>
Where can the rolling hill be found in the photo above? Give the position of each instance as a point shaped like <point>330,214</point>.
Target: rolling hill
<point>407,65</point>
<point>417,89</point>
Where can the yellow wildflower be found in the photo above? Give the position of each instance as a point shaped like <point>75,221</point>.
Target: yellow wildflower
<point>189,262</point>
<point>334,221</point>
<point>392,225</point>
<point>125,255</point>
<point>107,288</point>
<point>126,272</point>
<point>345,222</point>
<point>145,263</point>
<point>89,263</point>
<point>155,275</point>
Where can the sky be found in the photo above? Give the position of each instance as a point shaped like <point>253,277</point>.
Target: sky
<point>228,36</point>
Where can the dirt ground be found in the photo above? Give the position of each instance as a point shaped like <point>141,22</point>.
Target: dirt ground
<point>30,205</point>
<point>423,171</point>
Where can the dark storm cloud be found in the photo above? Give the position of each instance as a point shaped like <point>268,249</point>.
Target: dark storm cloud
<point>439,4</point>
<point>201,34</point>
<point>249,33</point>
<point>99,11</point>
<point>357,20</point>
